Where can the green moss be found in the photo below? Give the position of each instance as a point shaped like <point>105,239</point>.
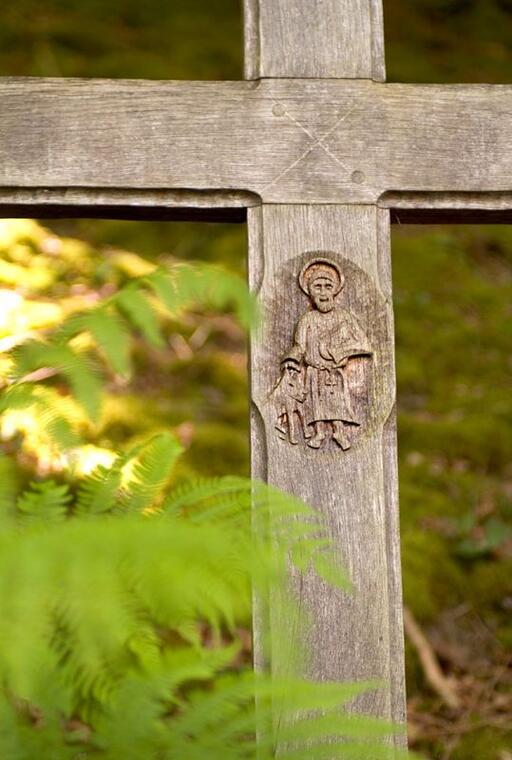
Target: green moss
<point>491,584</point>
<point>415,676</point>
<point>483,744</point>
<point>453,291</point>
<point>503,634</point>
<point>218,450</point>
<point>448,40</point>
<point>189,39</point>
<point>432,579</point>
<point>128,414</point>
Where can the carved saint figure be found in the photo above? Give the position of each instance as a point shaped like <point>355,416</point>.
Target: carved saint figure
<point>313,389</point>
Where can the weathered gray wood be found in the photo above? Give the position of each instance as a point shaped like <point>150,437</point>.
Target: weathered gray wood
<point>332,137</point>
<point>307,39</point>
<point>286,141</point>
<point>112,203</point>
<point>357,636</point>
<point>448,208</point>
<point>465,201</point>
<point>231,206</point>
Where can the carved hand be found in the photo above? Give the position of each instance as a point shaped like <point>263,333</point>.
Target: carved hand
<point>290,364</point>
<point>325,352</point>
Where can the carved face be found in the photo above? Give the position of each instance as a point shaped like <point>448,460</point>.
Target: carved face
<point>322,291</point>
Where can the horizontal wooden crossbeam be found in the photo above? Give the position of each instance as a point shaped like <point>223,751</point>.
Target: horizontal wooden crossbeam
<point>226,206</point>
<point>283,141</point>
<point>113,203</point>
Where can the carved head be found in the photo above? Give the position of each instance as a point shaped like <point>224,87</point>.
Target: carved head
<point>321,279</point>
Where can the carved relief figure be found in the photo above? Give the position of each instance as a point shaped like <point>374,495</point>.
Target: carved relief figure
<point>313,391</point>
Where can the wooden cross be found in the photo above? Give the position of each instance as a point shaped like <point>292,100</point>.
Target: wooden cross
<point>319,155</point>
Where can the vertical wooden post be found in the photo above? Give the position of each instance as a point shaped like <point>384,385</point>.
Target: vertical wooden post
<point>314,39</point>
<point>351,481</point>
<point>359,635</point>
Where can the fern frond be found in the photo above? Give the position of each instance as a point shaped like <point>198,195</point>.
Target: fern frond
<point>45,501</point>
<point>202,498</point>
<point>96,586</point>
<point>19,740</point>
<point>98,492</point>
<point>222,723</point>
<point>10,484</point>
<point>45,418</point>
<point>137,308</point>
<point>185,285</point>
<point>164,286</point>
<point>19,396</point>
<point>98,611</point>
<point>108,330</point>
<point>233,498</point>
<point>111,335</point>
<point>143,702</point>
<point>150,471</point>
<point>269,512</point>
<point>226,289</point>
<point>77,368</point>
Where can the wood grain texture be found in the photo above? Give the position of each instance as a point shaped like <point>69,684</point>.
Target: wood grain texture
<point>230,206</point>
<point>357,636</point>
<point>286,141</point>
<point>448,208</point>
<point>112,203</point>
<point>337,39</point>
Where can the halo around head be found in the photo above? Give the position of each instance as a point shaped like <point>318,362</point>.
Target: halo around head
<point>321,267</point>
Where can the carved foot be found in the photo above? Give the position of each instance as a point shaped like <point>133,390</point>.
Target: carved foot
<point>339,435</point>
<point>316,441</point>
<point>341,440</point>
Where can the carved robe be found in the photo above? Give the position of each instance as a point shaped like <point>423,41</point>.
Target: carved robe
<point>322,341</point>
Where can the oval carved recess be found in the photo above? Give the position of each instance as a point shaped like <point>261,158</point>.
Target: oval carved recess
<point>326,329</point>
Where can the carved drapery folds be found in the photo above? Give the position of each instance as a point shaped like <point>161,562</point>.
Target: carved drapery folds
<point>322,394</point>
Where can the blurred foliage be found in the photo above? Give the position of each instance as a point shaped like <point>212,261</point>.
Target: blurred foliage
<point>126,587</point>
<point>452,298</point>
<point>448,40</point>
<point>426,40</point>
<point>453,293</point>
<point>168,366</point>
<point>180,39</point>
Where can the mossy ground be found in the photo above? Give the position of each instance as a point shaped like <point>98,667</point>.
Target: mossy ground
<point>453,296</point>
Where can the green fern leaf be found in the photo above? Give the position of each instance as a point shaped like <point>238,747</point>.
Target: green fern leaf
<point>47,415</point>
<point>224,289</point>
<point>98,492</point>
<point>204,498</point>
<point>46,412</point>
<point>164,287</point>
<point>46,501</point>
<point>140,312</point>
<point>202,284</point>
<point>10,483</point>
<point>109,331</point>
<point>112,337</point>
<point>98,608</point>
<point>18,396</point>
<point>57,429</point>
<point>76,368</point>
<point>150,472</point>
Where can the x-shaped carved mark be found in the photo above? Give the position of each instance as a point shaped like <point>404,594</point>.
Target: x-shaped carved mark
<point>280,110</point>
